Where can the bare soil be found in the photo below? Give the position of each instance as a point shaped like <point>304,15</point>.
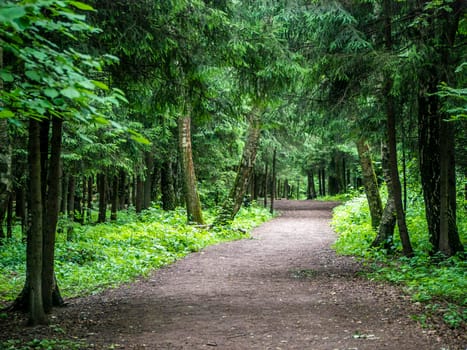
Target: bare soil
<point>283,289</point>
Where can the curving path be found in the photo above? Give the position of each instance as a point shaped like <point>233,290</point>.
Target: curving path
<point>283,289</point>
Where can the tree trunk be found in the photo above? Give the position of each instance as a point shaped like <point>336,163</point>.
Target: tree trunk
<point>167,186</point>
<point>369,183</point>
<point>193,204</point>
<point>392,141</point>
<point>273,181</point>
<point>89,198</point>
<point>149,180</point>
<point>233,203</point>
<point>139,194</point>
<point>102,189</point>
<point>33,284</point>
<point>114,200</point>
<point>436,139</point>
<point>71,206</point>
<point>5,161</point>
<point>311,190</point>
<point>265,185</point>
<point>386,227</point>
<point>51,209</point>
<point>65,183</point>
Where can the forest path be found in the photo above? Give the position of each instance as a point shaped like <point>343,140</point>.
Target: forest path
<point>283,289</point>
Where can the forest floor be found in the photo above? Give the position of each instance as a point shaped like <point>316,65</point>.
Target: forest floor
<point>283,289</point>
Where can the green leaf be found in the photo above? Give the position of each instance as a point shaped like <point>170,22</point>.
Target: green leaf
<point>81,6</point>
<point>6,76</point>
<point>70,92</point>
<point>33,75</point>
<point>8,14</point>
<point>51,92</point>
<point>100,85</point>
<point>6,113</point>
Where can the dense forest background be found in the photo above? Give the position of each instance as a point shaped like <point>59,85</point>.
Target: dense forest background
<point>110,104</point>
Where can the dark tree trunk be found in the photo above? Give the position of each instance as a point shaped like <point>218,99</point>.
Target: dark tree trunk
<point>33,285</point>
<point>386,227</point>
<point>392,142</point>
<point>167,186</point>
<point>193,204</point>
<point>139,194</point>
<point>89,198</point>
<point>9,217</point>
<point>114,200</point>
<point>311,190</point>
<point>51,210</point>
<point>265,185</point>
<point>149,179</point>
<point>370,183</point>
<point>273,181</point>
<point>64,202</point>
<point>286,189</point>
<point>5,162</point>
<point>102,190</point>
<point>436,141</point>
<point>234,202</point>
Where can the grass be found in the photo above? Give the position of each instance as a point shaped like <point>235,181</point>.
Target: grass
<point>107,255</point>
<point>437,282</point>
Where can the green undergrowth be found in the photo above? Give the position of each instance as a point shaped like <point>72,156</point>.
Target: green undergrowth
<point>437,282</point>
<point>107,255</point>
<point>44,344</point>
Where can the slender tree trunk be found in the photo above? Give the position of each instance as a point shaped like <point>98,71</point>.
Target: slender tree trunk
<point>392,141</point>
<point>273,181</point>
<point>149,180</point>
<point>386,227</point>
<point>9,217</point>
<point>102,189</point>
<point>5,161</point>
<point>369,183</point>
<point>167,186</point>
<point>51,210</point>
<point>286,189</point>
<point>64,203</point>
<point>114,201</point>
<point>139,194</point>
<point>35,237</point>
<point>193,204</point>
<point>311,185</point>
<point>265,185</point>
<point>234,202</point>
<point>89,198</point>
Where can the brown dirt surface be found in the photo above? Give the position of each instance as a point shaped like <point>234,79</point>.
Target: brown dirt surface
<point>283,289</point>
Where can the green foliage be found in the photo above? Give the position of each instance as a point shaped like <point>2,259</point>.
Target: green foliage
<point>44,344</point>
<point>41,78</point>
<point>107,255</point>
<point>434,280</point>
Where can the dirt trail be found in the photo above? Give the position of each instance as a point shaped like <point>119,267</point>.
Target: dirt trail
<point>283,289</point>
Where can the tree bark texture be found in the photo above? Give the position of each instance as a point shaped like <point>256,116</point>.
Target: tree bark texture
<point>273,181</point>
<point>33,284</point>
<point>436,137</point>
<point>370,183</point>
<point>102,189</point>
<point>311,192</point>
<point>392,141</point>
<point>167,186</point>
<point>386,227</point>
<point>51,210</point>
<point>5,162</point>
<point>114,200</point>
<point>192,202</point>
<point>234,202</point>
<point>149,179</point>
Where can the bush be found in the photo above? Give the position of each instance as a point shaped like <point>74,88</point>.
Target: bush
<point>433,280</point>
